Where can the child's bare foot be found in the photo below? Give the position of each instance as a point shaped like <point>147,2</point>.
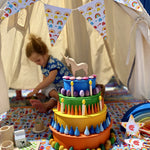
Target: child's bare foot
<point>40,96</point>
<point>43,107</point>
<point>37,104</point>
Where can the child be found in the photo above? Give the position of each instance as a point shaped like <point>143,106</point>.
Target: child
<point>52,69</point>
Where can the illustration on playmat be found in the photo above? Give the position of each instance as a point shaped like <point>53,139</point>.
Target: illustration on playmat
<point>75,67</point>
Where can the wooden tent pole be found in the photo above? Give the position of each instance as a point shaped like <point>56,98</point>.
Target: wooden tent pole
<point>111,61</point>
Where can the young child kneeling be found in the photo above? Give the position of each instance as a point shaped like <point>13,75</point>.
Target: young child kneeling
<point>53,70</point>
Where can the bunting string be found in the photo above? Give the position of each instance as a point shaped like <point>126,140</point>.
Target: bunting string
<point>93,12</point>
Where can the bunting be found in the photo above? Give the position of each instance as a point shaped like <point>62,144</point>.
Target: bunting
<point>14,6</point>
<point>94,13</point>
<point>130,3</point>
<point>56,19</point>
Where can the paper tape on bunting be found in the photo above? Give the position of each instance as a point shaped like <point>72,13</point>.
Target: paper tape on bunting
<point>94,13</point>
<point>56,19</point>
<point>130,3</point>
<point>14,6</point>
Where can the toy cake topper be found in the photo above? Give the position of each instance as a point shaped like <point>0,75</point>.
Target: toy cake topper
<point>75,67</point>
<point>132,127</point>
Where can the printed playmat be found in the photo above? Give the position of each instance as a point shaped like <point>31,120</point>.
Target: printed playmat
<point>24,118</point>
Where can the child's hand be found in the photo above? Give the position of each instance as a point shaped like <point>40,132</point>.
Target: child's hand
<point>38,105</point>
<point>30,94</point>
<point>35,91</point>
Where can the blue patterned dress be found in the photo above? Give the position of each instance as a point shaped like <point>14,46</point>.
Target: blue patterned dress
<point>54,63</point>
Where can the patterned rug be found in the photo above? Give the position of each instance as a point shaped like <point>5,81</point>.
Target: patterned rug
<point>24,118</point>
<point>113,93</point>
<point>116,94</point>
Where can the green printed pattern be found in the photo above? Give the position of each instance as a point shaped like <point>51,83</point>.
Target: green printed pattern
<point>30,146</point>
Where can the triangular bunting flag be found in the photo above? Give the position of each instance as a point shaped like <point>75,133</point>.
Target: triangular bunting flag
<point>14,6</point>
<point>130,3</point>
<point>9,10</point>
<point>56,19</point>
<point>20,4</point>
<point>94,12</point>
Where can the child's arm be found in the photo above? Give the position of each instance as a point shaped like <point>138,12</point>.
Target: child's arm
<point>46,81</point>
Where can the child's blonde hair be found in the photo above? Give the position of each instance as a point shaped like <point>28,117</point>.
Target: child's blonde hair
<point>36,45</point>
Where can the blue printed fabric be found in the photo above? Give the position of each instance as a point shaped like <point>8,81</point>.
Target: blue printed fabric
<point>54,63</point>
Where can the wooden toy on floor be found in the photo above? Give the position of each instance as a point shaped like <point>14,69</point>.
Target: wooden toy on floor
<point>20,138</point>
<point>39,126</point>
<point>6,133</point>
<point>7,145</point>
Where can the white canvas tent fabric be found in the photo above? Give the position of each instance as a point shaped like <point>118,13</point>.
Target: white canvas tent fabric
<point>139,78</point>
<point>78,39</point>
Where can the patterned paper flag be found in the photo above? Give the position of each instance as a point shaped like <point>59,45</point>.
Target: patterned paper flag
<point>10,9</point>
<point>130,3</point>
<point>20,4</point>
<point>56,18</point>
<point>14,6</point>
<point>132,127</point>
<point>94,13</point>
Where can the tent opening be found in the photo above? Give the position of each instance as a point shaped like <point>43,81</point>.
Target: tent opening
<point>146,5</point>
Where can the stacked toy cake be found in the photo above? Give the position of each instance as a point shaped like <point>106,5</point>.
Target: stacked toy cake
<point>81,119</point>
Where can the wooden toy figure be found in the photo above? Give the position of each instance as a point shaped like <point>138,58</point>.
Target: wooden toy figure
<point>20,138</point>
<point>75,67</point>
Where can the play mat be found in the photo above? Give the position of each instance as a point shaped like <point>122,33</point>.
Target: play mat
<point>24,118</point>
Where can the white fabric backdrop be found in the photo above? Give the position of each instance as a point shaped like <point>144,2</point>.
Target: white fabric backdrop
<point>78,39</point>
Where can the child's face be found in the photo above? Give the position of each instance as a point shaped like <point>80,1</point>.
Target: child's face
<point>38,59</point>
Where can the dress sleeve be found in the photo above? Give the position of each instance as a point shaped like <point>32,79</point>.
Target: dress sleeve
<point>53,65</point>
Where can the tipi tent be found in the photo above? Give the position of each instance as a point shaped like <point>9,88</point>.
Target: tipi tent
<point>78,40</point>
